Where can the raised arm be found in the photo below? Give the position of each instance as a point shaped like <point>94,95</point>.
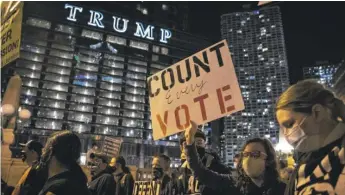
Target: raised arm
<point>222,182</point>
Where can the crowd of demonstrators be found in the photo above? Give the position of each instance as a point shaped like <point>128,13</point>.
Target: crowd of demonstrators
<point>32,180</point>
<point>102,182</point>
<point>187,182</point>
<point>257,171</point>
<point>312,120</point>
<point>123,177</point>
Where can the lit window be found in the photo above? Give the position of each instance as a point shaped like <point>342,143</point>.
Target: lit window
<point>139,45</point>
<point>38,23</point>
<point>116,40</point>
<point>65,29</point>
<point>92,34</point>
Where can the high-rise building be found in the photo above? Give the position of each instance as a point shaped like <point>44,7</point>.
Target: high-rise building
<point>339,81</point>
<point>84,69</point>
<point>322,71</point>
<point>256,43</point>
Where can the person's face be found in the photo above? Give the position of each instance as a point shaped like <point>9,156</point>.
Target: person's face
<point>200,142</point>
<point>29,155</point>
<point>157,168</point>
<point>254,159</point>
<point>313,124</point>
<point>95,147</point>
<point>99,166</point>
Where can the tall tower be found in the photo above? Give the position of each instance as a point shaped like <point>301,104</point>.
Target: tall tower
<point>256,43</point>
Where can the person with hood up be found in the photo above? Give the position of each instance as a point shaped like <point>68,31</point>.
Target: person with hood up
<point>103,182</point>
<point>123,177</point>
<point>60,159</point>
<point>312,120</point>
<point>257,172</point>
<point>187,182</point>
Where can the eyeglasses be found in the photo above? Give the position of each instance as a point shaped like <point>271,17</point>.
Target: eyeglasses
<point>254,154</point>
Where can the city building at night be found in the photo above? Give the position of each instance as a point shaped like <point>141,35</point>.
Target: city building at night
<point>322,71</point>
<point>339,81</point>
<point>256,43</point>
<point>85,69</point>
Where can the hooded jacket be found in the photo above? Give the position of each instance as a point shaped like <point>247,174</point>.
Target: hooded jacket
<point>224,183</point>
<point>124,183</point>
<point>321,171</point>
<point>103,183</point>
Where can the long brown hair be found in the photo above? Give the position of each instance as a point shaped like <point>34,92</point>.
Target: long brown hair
<point>301,97</point>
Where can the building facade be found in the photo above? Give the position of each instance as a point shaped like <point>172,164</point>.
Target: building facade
<point>85,70</point>
<point>256,43</point>
<point>339,81</point>
<point>322,71</point>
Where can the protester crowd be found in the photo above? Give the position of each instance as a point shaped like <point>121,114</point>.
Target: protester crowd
<point>311,119</point>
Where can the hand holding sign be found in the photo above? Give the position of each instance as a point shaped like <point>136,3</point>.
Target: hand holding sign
<point>190,133</point>
<point>202,88</point>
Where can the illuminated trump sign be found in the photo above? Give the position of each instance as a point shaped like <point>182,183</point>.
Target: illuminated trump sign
<point>120,25</point>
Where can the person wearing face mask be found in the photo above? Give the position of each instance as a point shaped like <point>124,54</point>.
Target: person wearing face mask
<point>187,182</point>
<point>123,177</point>
<point>312,121</point>
<point>92,150</point>
<point>31,181</point>
<point>59,159</point>
<point>257,172</point>
<point>103,182</point>
<point>159,176</point>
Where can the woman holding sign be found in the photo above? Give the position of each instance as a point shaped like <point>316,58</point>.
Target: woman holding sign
<point>312,120</point>
<point>257,169</point>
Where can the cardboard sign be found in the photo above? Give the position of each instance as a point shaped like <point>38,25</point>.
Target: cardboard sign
<point>111,146</point>
<point>146,188</point>
<point>11,31</point>
<point>202,88</point>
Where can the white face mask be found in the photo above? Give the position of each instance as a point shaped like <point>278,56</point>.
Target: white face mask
<point>297,135</point>
<point>254,167</point>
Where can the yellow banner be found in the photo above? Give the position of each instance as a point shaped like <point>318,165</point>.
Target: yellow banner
<point>10,35</point>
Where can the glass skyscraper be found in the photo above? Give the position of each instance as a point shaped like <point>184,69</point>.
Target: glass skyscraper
<point>322,71</point>
<point>256,43</point>
<point>85,70</point>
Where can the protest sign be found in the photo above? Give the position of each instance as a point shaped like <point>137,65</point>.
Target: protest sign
<point>111,146</point>
<point>146,188</point>
<point>10,34</point>
<point>202,88</point>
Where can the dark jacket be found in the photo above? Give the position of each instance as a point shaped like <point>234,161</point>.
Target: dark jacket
<point>168,186</point>
<point>66,183</point>
<point>224,182</point>
<point>189,184</point>
<point>323,170</point>
<point>124,184</point>
<point>31,182</point>
<point>103,183</point>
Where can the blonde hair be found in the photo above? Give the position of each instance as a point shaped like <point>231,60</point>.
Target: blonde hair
<point>301,97</point>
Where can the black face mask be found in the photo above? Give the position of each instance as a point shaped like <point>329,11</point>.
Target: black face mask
<point>157,173</point>
<point>201,151</point>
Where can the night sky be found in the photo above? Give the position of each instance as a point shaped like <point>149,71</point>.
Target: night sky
<point>313,30</point>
